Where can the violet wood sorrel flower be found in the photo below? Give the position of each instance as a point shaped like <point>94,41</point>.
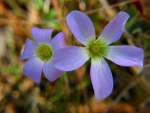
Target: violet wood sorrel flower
<point>73,57</point>
<point>40,54</point>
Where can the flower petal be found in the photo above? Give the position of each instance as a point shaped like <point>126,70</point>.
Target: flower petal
<point>113,31</point>
<point>41,35</point>
<point>51,73</point>
<point>33,69</point>
<point>70,58</point>
<point>126,55</point>
<point>28,49</point>
<point>58,41</point>
<point>81,26</point>
<point>101,78</point>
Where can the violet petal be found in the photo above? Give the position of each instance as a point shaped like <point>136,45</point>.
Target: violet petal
<point>126,55</point>
<point>41,35</point>
<point>28,49</point>
<point>70,58</point>
<point>81,26</point>
<point>58,41</point>
<point>101,78</point>
<point>50,72</point>
<point>33,69</point>
<point>113,31</point>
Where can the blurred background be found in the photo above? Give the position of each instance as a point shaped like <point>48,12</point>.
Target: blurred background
<point>73,92</point>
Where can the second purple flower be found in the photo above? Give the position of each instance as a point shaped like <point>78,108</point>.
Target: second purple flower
<point>96,49</point>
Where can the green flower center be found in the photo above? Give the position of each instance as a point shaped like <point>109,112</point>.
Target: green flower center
<point>44,52</point>
<point>97,48</point>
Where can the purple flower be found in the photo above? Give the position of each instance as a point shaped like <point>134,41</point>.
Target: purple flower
<point>40,54</point>
<point>96,49</point>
